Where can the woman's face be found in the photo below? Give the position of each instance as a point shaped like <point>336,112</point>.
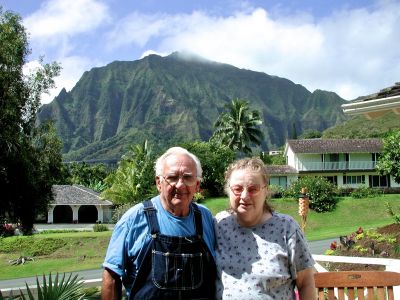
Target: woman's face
<point>247,194</point>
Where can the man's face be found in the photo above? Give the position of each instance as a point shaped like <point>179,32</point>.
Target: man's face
<point>175,195</point>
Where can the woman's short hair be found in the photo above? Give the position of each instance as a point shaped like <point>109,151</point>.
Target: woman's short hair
<point>159,165</point>
<point>253,164</point>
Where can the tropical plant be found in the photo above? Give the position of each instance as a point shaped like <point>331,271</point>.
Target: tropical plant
<point>70,288</point>
<point>389,160</point>
<point>238,127</point>
<point>133,181</point>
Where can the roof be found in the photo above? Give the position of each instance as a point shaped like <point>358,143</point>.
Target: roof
<point>384,93</point>
<point>376,104</point>
<point>280,170</point>
<point>77,194</point>
<point>336,145</point>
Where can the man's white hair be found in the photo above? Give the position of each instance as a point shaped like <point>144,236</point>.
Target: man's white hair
<point>159,166</point>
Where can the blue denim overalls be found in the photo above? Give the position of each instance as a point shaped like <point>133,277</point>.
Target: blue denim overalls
<point>175,267</point>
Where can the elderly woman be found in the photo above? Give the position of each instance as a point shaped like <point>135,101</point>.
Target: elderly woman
<point>261,254</point>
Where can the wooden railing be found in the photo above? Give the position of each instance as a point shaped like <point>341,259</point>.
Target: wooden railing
<point>389,264</point>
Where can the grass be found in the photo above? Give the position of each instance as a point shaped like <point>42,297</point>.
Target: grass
<point>86,250</point>
<point>349,214</point>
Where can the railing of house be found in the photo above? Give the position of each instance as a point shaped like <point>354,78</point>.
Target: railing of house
<point>392,265</point>
<point>389,264</point>
<point>335,166</point>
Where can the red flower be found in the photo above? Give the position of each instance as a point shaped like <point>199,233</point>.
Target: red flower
<point>333,245</point>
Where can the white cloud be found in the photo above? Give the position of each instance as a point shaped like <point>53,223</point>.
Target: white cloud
<point>66,18</point>
<point>352,52</point>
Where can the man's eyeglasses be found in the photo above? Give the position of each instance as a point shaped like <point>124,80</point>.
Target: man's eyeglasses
<point>252,190</point>
<point>188,180</point>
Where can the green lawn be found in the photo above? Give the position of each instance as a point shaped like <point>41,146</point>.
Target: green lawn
<point>86,250</point>
<point>349,214</point>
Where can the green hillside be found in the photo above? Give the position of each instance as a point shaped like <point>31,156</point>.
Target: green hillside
<point>360,127</point>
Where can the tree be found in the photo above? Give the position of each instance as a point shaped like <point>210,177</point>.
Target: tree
<point>214,159</point>
<point>389,161</point>
<point>310,134</point>
<point>133,181</point>
<point>30,157</point>
<point>91,176</point>
<point>293,135</point>
<point>238,127</point>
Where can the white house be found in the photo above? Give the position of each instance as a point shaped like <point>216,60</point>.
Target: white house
<point>344,162</point>
<point>78,204</point>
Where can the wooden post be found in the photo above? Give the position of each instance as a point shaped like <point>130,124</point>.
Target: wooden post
<point>304,203</point>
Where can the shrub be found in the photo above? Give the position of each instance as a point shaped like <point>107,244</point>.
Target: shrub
<point>322,193</point>
<point>276,191</point>
<point>198,197</point>
<point>365,192</point>
<point>7,230</point>
<point>31,246</point>
<point>119,211</point>
<point>396,217</point>
<point>100,227</point>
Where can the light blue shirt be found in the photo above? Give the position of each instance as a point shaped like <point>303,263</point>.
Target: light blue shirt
<point>132,233</point>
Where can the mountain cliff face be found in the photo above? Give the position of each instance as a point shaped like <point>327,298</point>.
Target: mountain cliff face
<point>173,98</point>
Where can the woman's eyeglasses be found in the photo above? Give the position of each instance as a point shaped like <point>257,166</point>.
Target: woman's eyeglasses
<point>252,190</point>
<point>188,180</point>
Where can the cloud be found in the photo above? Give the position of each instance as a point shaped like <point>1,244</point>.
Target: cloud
<point>66,18</point>
<point>351,51</point>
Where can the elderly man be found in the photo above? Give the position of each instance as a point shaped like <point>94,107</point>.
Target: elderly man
<point>164,248</point>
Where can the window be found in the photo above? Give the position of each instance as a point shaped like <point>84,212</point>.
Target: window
<point>279,181</point>
<point>379,181</point>
<point>359,179</point>
<point>331,179</point>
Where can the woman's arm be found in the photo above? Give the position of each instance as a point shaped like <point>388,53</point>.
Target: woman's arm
<point>306,285</point>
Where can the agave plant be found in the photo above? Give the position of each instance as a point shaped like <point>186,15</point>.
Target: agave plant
<point>64,289</point>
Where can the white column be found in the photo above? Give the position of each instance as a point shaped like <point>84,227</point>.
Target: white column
<point>50,219</point>
<point>75,209</point>
<point>100,213</point>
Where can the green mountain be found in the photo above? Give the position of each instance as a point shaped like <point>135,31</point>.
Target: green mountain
<point>175,98</point>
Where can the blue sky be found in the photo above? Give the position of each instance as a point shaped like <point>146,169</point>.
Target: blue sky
<point>350,47</point>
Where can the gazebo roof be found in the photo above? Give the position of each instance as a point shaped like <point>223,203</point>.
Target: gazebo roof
<point>78,195</point>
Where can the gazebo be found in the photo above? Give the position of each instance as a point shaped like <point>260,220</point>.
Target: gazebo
<point>78,204</point>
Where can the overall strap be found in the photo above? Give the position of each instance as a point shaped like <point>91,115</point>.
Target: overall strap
<point>151,216</point>
<point>198,220</point>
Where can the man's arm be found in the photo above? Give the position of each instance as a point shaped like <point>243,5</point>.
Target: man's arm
<point>111,288</point>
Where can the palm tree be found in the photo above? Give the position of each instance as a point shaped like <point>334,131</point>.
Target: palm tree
<point>238,127</point>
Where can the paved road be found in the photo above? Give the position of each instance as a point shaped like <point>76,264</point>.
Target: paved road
<point>316,247</point>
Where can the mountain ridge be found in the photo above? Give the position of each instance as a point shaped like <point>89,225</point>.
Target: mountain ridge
<point>174,98</point>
